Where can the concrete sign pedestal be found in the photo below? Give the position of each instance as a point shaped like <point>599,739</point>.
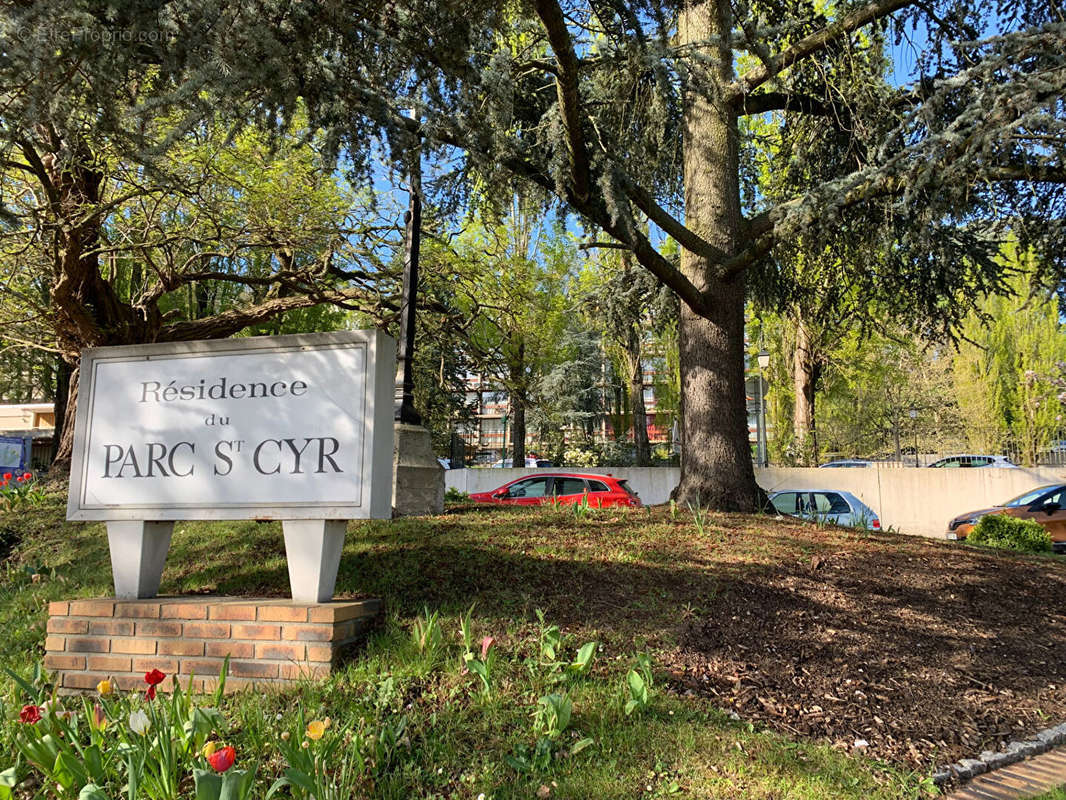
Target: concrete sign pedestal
<point>418,484</point>
<point>138,553</point>
<point>313,552</point>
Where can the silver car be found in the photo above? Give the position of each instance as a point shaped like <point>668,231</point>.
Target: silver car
<point>970,460</point>
<point>826,505</point>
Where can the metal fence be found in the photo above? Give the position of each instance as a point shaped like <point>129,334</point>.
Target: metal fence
<point>1047,450</point>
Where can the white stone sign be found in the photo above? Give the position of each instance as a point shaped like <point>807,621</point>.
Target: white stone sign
<point>294,428</point>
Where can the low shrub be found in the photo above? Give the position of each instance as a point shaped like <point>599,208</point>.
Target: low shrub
<point>1010,533</point>
<point>453,495</point>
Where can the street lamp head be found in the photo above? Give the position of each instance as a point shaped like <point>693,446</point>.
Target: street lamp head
<point>764,359</point>
<point>913,413</point>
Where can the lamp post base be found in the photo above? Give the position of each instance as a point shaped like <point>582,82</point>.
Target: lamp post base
<point>418,487</point>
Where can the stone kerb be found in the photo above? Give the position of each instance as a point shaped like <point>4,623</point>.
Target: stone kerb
<point>267,641</point>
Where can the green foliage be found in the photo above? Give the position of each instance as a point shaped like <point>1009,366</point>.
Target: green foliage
<point>1005,532</point>
<point>453,495</point>
<point>1004,369</point>
<point>427,635</point>
<point>91,748</point>
<point>638,685</point>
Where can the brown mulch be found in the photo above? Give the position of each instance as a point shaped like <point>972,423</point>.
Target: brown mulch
<point>926,653</point>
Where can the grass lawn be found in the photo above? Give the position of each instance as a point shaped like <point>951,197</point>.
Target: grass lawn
<point>776,646</point>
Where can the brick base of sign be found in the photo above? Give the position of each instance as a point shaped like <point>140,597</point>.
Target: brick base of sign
<point>269,642</point>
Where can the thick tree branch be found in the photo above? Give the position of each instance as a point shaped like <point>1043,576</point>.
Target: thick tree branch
<point>566,83</point>
<point>1027,173</point>
<point>661,217</point>
<point>817,41</point>
<point>783,101</point>
<point>230,322</point>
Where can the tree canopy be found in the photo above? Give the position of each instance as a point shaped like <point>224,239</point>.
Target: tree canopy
<point>627,115</point>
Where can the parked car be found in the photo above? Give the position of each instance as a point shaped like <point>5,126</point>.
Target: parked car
<point>975,461</point>
<point>530,462</point>
<point>1046,505</point>
<point>846,462</point>
<point>603,491</point>
<point>826,505</point>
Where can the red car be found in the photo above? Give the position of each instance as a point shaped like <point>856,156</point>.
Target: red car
<point>565,488</point>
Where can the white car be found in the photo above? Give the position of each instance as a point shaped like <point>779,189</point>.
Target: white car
<point>530,462</point>
<point>826,505</point>
<point>969,460</point>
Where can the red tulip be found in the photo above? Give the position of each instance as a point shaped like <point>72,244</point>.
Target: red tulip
<point>7,476</point>
<point>149,693</point>
<point>154,678</point>
<point>222,759</point>
<point>27,475</point>
<point>30,714</point>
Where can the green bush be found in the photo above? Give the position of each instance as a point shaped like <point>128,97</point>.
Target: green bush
<point>453,495</point>
<point>1010,533</point>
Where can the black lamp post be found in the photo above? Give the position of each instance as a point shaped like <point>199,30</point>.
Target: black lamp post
<point>405,381</point>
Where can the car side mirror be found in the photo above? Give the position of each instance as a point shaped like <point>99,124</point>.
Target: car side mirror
<point>1051,508</point>
<point>500,495</point>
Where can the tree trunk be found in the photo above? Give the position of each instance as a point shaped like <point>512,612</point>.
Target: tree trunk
<point>716,461</point>
<point>64,446</point>
<point>805,379</point>
<point>518,409</point>
<point>636,403</point>
<point>518,430</point>
<point>64,375</point>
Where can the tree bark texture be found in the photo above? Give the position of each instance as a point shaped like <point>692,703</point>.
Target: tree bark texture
<point>716,460</point>
<point>805,382</point>
<point>642,446</point>
<point>518,410</point>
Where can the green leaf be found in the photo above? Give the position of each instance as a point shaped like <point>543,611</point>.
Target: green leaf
<point>27,689</point>
<point>580,745</point>
<point>278,785</point>
<point>68,771</point>
<point>94,763</point>
<point>8,781</point>
<point>583,662</point>
<point>92,792</point>
<point>208,784</point>
<point>637,687</point>
<point>302,780</point>
<point>235,784</point>
<point>519,765</point>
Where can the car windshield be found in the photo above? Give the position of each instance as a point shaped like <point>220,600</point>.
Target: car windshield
<point>1029,497</point>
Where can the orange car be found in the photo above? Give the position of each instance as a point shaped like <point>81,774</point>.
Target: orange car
<point>1046,505</point>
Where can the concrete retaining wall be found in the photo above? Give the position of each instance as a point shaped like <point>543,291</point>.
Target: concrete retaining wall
<point>912,500</point>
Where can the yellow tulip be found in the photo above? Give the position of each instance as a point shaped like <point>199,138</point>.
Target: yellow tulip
<point>209,749</point>
<point>104,687</point>
<point>315,729</point>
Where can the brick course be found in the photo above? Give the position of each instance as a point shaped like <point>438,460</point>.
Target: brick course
<point>269,642</point>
